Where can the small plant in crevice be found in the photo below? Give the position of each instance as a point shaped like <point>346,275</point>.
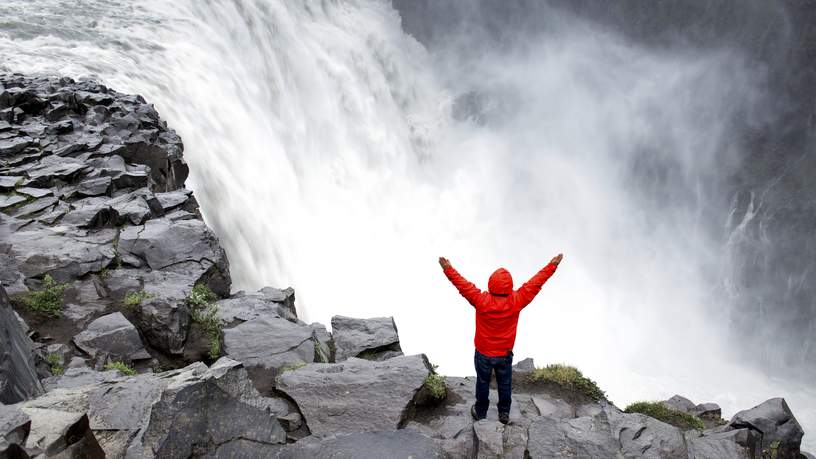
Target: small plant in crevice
<point>48,300</point>
<point>54,363</point>
<point>668,415</point>
<point>204,312</point>
<point>122,367</point>
<point>133,299</point>
<point>435,383</point>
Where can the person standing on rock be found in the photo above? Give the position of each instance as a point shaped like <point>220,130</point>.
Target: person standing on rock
<point>497,314</point>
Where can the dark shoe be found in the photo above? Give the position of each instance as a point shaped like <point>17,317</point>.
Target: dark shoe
<point>504,418</point>
<point>473,413</point>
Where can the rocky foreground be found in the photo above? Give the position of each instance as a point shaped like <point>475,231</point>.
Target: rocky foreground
<point>120,336</point>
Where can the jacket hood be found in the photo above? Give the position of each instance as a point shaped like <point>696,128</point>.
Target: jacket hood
<point>500,283</point>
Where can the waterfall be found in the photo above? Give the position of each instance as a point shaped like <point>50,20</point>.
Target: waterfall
<point>333,152</point>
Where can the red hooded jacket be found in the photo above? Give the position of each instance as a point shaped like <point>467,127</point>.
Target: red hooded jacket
<point>497,310</point>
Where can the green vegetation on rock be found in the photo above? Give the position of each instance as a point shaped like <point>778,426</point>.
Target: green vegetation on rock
<point>668,415</point>
<point>435,383</point>
<point>48,300</point>
<point>568,378</point>
<point>122,367</point>
<point>53,361</point>
<point>291,367</point>
<point>133,299</point>
<point>204,311</point>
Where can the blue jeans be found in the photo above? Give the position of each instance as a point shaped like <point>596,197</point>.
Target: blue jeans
<point>485,366</point>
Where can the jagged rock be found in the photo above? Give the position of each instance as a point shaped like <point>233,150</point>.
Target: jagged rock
<point>14,429</point>
<point>376,338</point>
<point>323,342</point>
<point>35,250</point>
<point>60,352</point>
<point>708,411</point>
<point>267,302</point>
<point>18,376</point>
<point>162,244</point>
<point>58,432</point>
<point>807,455</point>
<point>172,199</point>
<point>524,365</point>
<point>356,395</point>
<point>15,145</point>
<point>32,208</point>
<point>781,432</point>
<point>680,403</point>
<point>553,407</point>
<point>9,182</point>
<point>489,442</point>
<point>174,413</point>
<point>34,192</point>
<point>79,376</point>
<point>113,335</point>
<point>267,344</point>
<point>367,445</point>
<point>642,436</point>
<point>10,201</point>
<point>733,444</point>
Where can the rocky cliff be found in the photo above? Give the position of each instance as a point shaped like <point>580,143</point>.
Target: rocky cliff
<point>121,336</point>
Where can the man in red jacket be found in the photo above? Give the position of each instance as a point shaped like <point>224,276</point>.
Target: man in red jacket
<point>497,313</point>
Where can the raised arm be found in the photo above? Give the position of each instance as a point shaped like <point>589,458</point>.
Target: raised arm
<point>465,287</point>
<point>530,289</point>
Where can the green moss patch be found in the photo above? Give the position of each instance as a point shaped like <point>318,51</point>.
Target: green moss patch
<point>204,311</point>
<point>48,300</point>
<point>569,379</point>
<point>668,415</point>
<point>122,367</point>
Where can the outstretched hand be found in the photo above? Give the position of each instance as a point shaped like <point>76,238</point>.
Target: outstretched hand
<point>557,259</point>
<point>444,263</point>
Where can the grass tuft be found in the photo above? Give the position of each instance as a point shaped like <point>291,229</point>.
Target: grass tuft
<point>48,300</point>
<point>668,415</point>
<point>569,378</point>
<point>204,311</point>
<point>122,367</point>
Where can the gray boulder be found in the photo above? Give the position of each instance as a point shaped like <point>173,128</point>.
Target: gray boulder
<point>680,403</point>
<point>587,436</point>
<point>356,395</point>
<point>113,335</point>
<point>773,419</point>
<point>726,444</point>
<point>57,432</point>
<point>488,439</point>
<point>14,429</point>
<point>642,436</point>
<point>372,339</point>
<point>525,365</point>
<point>266,345</point>
<point>402,443</point>
<point>267,302</point>
<point>18,375</point>
<point>80,376</point>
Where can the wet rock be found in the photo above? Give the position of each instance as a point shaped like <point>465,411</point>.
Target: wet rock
<point>14,429</point>
<point>113,335</point>
<point>373,339</point>
<point>266,345</point>
<point>356,395</point>
<point>781,432</point>
<point>18,375</point>
<point>367,445</point>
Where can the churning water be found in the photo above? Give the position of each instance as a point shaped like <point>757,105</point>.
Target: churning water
<point>333,152</point>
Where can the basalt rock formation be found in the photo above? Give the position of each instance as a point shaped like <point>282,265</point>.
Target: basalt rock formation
<point>120,335</point>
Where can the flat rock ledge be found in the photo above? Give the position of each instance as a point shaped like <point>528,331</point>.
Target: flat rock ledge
<point>93,204</point>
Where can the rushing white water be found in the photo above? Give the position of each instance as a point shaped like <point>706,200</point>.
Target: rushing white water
<point>325,154</point>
